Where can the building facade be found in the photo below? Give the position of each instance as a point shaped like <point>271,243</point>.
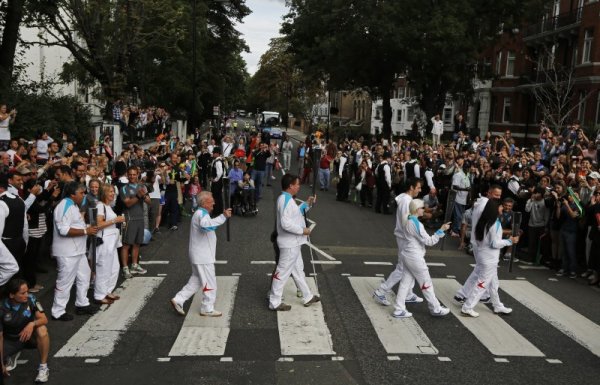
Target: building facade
<point>565,39</point>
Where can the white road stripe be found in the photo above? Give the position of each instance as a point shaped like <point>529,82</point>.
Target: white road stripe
<point>582,330</point>
<point>262,262</point>
<point>317,262</point>
<point>100,334</point>
<point>436,264</point>
<point>490,329</point>
<point>220,262</point>
<point>154,262</point>
<point>398,336</point>
<point>302,330</point>
<point>207,336</point>
<point>532,267</point>
<point>378,263</point>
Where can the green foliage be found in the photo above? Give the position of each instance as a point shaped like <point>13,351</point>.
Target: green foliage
<point>41,110</point>
<point>366,43</point>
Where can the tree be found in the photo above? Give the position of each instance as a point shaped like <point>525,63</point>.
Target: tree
<point>11,15</point>
<point>279,84</point>
<point>553,91</point>
<point>369,42</point>
<point>144,44</point>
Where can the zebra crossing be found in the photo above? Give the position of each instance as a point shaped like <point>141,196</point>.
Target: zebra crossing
<point>305,332</point>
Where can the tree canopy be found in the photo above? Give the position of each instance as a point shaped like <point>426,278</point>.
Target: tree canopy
<point>368,43</point>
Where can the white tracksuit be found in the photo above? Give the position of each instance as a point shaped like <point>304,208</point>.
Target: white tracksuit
<point>415,267</point>
<point>107,257</point>
<point>202,252</point>
<point>470,283</point>
<point>487,267</point>
<point>402,200</point>
<point>290,238</point>
<point>70,253</point>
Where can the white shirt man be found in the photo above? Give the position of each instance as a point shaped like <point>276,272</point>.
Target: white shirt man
<point>202,252</point>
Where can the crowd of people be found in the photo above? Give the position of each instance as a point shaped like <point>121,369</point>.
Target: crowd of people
<point>92,210</point>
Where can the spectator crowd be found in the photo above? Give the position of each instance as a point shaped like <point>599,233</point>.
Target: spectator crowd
<point>92,210</point>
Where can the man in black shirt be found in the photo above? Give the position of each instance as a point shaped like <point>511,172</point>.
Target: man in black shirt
<point>260,157</point>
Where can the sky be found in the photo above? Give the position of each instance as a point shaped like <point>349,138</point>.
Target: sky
<point>260,27</point>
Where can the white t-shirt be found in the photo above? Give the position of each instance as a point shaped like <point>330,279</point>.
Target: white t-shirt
<point>4,131</point>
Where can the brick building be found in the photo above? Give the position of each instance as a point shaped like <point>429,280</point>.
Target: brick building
<point>568,32</point>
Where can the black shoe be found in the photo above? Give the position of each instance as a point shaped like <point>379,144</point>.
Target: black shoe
<point>86,310</point>
<point>314,299</point>
<point>459,299</point>
<point>64,317</point>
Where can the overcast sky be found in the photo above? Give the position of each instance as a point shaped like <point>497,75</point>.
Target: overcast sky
<point>260,27</point>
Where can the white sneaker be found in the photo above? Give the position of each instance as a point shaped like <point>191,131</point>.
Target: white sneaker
<point>502,310</point>
<point>43,374</point>
<point>380,297</point>
<point>214,313</point>
<point>401,314</point>
<point>126,273</point>
<point>469,313</point>
<point>177,307</point>
<point>442,312</point>
<point>137,269</point>
<point>299,293</point>
<point>11,362</point>
<point>413,299</point>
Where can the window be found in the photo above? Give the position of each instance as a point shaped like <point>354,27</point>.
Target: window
<point>378,112</point>
<point>398,115</point>
<point>582,105</point>
<point>510,63</point>
<point>498,62</point>
<point>401,92</point>
<point>506,111</point>
<point>410,114</point>
<point>587,46</point>
<point>447,116</point>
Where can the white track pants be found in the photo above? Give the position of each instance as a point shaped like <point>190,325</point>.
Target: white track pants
<point>71,270</point>
<point>107,266</point>
<point>290,263</point>
<point>486,280</point>
<point>203,277</point>
<point>415,268</point>
<point>397,274</point>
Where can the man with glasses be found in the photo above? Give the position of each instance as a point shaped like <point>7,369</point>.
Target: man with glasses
<point>133,195</point>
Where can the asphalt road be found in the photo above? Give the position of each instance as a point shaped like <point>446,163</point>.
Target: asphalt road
<point>252,355</point>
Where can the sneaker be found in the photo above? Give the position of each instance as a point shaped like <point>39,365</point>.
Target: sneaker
<point>173,228</point>
<point>586,274</point>
<point>43,374</point>
<point>64,317</point>
<point>156,231</point>
<point>315,298</point>
<point>502,310</point>
<point>469,313</point>
<point>299,293</point>
<point>413,299</point>
<point>282,307</point>
<point>214,313</point>
<point>86,310</point>
<point>459,299</point>
<point>484,300</point>
<point>126,273</point>
<point>442,312</point>
<point>273,177</point>
<point>137,269</point>
<point>560,273</point>
<point>11,362</point>
<point>177,307</point>
<point>380,297</point>
<point>515,259</point>
<point>573,275</point>
<point>401,314</point>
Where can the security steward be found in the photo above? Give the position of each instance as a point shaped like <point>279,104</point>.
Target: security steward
<point>22,326</point>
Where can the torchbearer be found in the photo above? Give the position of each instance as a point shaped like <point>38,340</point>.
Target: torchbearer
<point>292,233</point>
<point>202,250</point>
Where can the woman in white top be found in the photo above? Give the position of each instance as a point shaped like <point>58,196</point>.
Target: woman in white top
<point>6,119</point>
<point>42,147</point>
<point>107,258</point>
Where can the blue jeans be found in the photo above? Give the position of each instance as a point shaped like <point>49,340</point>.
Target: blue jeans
<point>324,178</point>
<point>257,177</point>
<point>458,211</point>
<point>569,256</point>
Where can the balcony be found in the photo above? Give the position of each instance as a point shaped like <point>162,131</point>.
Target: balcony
<point>549,27</point>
